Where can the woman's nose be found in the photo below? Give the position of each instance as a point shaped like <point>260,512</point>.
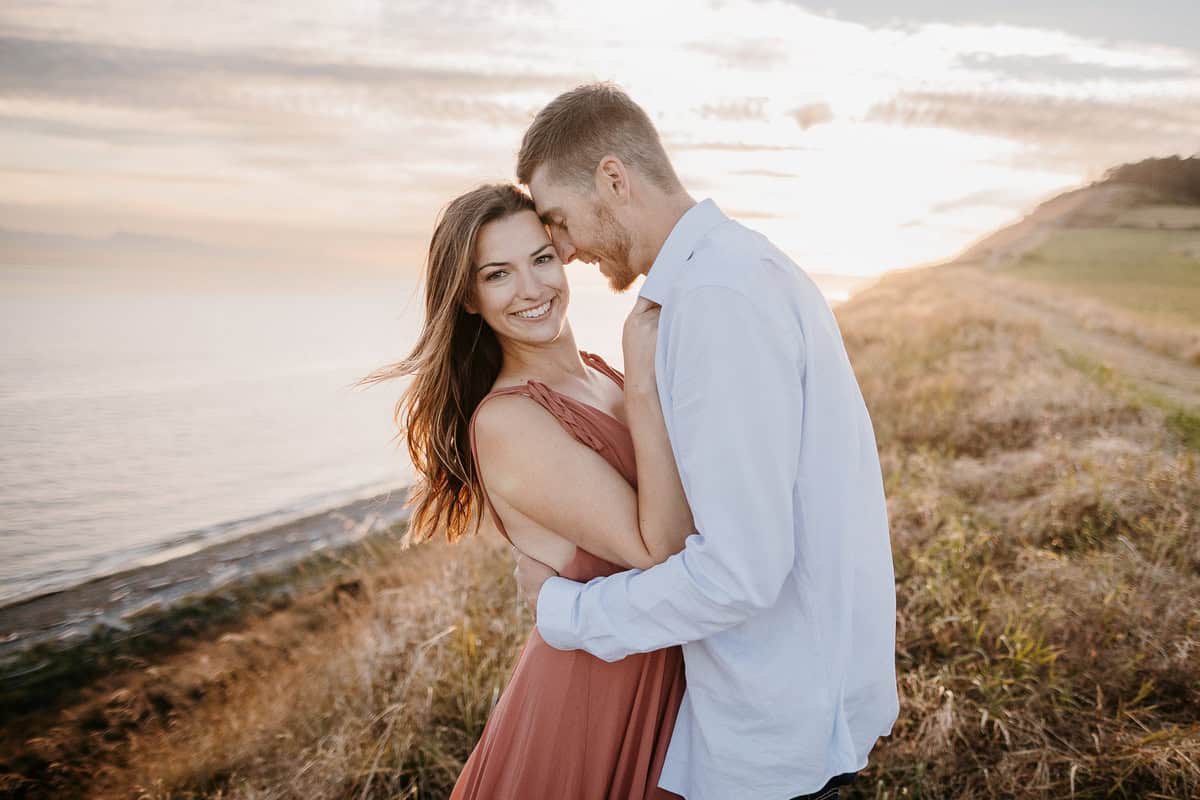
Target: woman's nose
<point>528,284</point>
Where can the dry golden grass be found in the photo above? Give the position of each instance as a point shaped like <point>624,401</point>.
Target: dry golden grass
<point>1045,528</point>
<point>386,699</point>
<point>1046,540</point>
<point>376,686</point>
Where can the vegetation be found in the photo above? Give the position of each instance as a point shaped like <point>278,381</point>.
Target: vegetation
<point>41,675</point>
<point>1047,553</point>
<point>1047,549</point>
<point>1154,273</point>
<point>1174,177</point>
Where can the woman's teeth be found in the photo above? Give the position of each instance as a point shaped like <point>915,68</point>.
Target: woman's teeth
<point>534,313</point>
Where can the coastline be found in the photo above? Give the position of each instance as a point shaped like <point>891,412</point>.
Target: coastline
<point>122,602</point>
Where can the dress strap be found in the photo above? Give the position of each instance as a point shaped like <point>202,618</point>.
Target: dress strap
<point>596,362</point>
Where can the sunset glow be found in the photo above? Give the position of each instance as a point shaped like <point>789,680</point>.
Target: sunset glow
<point>327,135</point>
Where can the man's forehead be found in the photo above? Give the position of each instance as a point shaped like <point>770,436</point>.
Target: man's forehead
<point>548,196</point>
<point>544,203</point>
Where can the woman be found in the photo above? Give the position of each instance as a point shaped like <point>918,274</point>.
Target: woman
<point>573,463</point>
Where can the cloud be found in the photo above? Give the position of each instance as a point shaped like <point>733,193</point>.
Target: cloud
<point>177,178</point>
<point>130,75</point>
<point>765,173</point>
<point>811,115</point>
<point>753,54</point>
<point>1061,67</point>
<point>1172,22</point>
<point>88,131</point>
<point>735,147</point>
<point>1055,124</point>
<point>740,110</point>
<point>345,120</point>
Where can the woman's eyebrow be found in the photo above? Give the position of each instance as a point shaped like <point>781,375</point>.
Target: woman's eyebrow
<point>534,254</point>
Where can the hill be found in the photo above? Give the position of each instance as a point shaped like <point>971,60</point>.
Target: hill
<point>1152,194</point>
<point>1117,261</point>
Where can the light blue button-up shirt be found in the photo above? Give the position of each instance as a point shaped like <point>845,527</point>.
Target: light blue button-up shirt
<point>784,600</point>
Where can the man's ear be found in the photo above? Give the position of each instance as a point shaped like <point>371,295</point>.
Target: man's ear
<point>612,180</point>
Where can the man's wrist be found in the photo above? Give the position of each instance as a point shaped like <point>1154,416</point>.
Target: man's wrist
<point>555,602</point>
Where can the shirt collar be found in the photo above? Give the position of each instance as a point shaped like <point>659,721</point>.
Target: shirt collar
<point>694,225</point>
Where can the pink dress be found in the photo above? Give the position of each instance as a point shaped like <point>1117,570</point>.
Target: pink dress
<point>568,724</point>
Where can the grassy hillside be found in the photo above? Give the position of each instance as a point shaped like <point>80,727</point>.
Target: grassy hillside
<point>1048,560</point>
<point>1047,551</point>
<point>1038,418</point>
<point>1154,273</point>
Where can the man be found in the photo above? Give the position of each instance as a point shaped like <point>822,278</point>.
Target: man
<point>784,598</point>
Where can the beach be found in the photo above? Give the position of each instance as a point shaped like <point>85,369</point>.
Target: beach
<point>120,602</point>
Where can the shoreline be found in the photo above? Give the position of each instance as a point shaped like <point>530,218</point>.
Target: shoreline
<point>119,601</point>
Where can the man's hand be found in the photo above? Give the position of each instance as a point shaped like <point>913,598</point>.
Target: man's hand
<point>639,340</point>
<point>531,574</point>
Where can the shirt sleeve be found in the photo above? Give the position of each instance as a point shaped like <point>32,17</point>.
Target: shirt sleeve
<point>734,381</point>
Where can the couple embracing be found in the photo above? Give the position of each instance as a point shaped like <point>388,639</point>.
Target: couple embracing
<point>704,537</point>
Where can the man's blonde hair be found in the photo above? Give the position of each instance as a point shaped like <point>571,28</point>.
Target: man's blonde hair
<point>578,128</point>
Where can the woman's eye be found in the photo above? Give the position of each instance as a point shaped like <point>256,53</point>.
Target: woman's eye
<point>545,258</point>
<point>496,274</point>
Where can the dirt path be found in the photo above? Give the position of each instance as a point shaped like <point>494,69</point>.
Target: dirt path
<point>1167,378</point>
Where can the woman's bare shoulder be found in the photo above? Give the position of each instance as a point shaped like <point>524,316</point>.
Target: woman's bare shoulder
<point>513,423</point>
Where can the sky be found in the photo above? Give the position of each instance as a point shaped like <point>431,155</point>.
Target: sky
<point>326,134</point>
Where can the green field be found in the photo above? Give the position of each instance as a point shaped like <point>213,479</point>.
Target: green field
<point>1153,272</point>
<point>1160,216</point>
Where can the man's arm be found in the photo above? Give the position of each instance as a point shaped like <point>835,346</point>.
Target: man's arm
<point>736,392</point>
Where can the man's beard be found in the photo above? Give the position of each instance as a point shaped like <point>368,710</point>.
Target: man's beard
<point>615,245</point>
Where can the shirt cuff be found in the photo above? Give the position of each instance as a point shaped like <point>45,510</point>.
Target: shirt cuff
<point>555,607</point>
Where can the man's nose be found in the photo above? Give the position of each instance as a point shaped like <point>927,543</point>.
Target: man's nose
<point>564,247</point>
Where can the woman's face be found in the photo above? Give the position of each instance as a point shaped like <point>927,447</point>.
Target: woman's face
<point>520,288</point>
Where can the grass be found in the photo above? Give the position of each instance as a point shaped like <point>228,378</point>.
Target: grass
<point>1186,426</point>
<point>1154,273</point>
<point>1183,422</point>
<point>1160,216</point>
<point>1047,552</point>
<point>1048,645</point>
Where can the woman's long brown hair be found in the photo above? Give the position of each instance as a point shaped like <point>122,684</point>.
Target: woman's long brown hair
<point>454,363</point>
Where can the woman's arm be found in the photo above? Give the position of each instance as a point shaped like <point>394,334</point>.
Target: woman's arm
<point>547,486</point>
<point>665,519</point>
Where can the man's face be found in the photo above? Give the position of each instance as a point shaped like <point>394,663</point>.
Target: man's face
<point>582,228</point>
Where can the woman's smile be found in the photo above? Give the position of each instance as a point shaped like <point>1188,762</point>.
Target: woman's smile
<point>536,313</point>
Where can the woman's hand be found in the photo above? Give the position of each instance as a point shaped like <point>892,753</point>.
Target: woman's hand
<point>639,340</point>
<point>664,517</point>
